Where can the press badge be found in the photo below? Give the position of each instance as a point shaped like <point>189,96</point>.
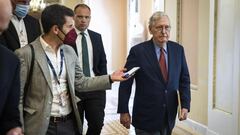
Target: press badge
<point>63,98</point>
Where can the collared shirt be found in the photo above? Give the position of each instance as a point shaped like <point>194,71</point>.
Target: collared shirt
<point>90,49</point>
<point>58,109</point>
<point>21,30</point>
<point>158,52</point>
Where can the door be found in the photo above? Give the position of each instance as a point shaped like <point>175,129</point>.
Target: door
<point>223,108</point>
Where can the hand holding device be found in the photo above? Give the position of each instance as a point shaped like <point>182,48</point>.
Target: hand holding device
<point>131,72</point>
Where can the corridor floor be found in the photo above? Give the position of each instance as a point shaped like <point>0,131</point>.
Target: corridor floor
<point>112,125</point>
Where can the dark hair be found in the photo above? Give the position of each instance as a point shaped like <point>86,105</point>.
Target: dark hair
<point>81,5</point>
<point>54,15</point>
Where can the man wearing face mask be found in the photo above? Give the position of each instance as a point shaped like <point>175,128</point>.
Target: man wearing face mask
<point>49,106</point>
<point>23,28</point>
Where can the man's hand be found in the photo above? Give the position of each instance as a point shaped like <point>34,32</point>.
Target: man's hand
<point>184,113</point>
<point>118,75</point>
<point>125,120</point>
<point>15,131</point>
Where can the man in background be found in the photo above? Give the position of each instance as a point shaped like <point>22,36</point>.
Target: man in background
<point>23,28</point>
<point>163,71</point>
<point>10,82</point>
<point>93,61</point>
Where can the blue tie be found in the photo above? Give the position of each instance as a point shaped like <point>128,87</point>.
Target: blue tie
<point>85,58</point>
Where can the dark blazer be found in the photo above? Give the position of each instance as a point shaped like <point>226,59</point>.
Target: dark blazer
<point>9,37</point>
<point>153,95</point>
<point>9,90</point>
<point>99,56</point>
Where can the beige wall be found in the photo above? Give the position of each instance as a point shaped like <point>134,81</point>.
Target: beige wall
<point>194,37</point>
<point>115,13</point>
<point>70,3</point>
<point>200,96</point>
<point>171,10</point>
<point>109,17</point>
<point>145,13</point>
<point>188,36</point>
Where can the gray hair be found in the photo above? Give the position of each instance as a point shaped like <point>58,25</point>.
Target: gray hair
<point>156,16</point>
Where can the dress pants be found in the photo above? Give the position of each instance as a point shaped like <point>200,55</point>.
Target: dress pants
<point>164,130</point>
<point>92,104</point>
<point>68,127</point>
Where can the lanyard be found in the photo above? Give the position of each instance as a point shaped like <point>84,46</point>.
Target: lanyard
<point>52,68</point>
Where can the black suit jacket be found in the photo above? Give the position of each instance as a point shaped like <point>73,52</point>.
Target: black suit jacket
<point>99,56</point>
<point>9,37</point>
<point>153,96</point>
<point>9,90</point>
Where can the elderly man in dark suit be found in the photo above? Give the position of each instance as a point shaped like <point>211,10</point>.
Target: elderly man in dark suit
<point>23,28</point>
<point>163,71</point>
<point>93,103</point>
<point>10,82</point>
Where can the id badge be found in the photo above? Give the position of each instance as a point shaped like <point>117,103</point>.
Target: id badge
<point>63,98</point>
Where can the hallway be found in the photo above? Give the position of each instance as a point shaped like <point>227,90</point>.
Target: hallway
<point>209,31</point>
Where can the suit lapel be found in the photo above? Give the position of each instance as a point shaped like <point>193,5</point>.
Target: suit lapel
<point>94,47</point>
<point>152,58</point>
<point>171,61</point>
<point>28,29</point>
<point>13,32</point>
<point>70,67</point>
<point>42,61</point>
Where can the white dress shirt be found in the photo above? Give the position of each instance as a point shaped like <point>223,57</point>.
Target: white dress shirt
<point>61,104</point>
<point>158,52</point>
<point>90,49</point>
<point>21,30</point>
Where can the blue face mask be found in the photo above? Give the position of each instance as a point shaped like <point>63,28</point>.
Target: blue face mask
<point>21,10</point>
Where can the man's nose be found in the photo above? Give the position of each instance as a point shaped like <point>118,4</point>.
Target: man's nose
<point>163,31</point>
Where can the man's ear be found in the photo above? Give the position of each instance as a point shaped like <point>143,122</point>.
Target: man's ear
<point>150,29</point>
<point>55,29</point>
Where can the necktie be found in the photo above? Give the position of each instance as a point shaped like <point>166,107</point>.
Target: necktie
<point>85,58</point>
<point>163,66</point>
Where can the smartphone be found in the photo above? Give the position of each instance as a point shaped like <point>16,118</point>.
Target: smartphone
<point>131,72</point>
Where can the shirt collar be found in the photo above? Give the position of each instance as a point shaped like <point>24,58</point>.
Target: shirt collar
<point>14,17</point>
<point>157,48</point>
<point>45,45</point>
<point>85,32</point>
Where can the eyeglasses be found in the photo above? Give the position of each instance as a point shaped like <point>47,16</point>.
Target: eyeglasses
<point>161,28</point>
